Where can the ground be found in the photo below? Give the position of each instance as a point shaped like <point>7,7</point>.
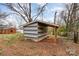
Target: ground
<point>47,47</point>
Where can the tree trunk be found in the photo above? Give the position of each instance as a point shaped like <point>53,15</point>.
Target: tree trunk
<point>75,37</point>
<point>67,29</point>
<point>30,19</point>
<point>75,24</point>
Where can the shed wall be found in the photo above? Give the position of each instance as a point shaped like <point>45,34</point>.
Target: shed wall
<point>30,31</point>
<point>35,31</point>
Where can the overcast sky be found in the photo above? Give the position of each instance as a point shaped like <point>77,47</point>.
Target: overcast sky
<point>48,14</point>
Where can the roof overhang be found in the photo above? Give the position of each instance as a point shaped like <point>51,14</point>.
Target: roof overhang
<point>41,22</point>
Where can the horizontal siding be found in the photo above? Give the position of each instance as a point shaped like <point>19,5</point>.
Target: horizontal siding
<point>35,24</point>
<point>31,32</point>
<point>33,35</point>
<point>30,37</point>
<point>30,28</point>
<point>27,35</point>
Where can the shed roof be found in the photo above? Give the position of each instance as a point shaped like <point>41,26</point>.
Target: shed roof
<point>42,22</point>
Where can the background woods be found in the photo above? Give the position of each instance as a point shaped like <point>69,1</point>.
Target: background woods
<point>71,19</point>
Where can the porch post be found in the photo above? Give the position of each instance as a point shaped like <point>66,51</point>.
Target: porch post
<point>55,32</point>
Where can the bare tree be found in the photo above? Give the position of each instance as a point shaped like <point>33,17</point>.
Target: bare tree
<point>40,10</point>
<point>24,10</point>
<point>3,15</point>
<point>42,13</point>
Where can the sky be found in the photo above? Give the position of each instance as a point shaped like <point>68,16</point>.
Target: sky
<point>48,13</point>
<point>50,9</point>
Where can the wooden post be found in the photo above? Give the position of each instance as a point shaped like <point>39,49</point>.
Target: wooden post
<point>55,32</point>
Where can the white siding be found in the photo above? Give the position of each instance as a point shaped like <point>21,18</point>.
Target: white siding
<point>27,35</point>
<point>31,32</point>
<point>33,35</point>
<point>30,28</point>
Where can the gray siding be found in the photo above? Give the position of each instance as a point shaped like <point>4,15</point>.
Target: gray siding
<point>30,31</point>
<point>34,31</point>
<point>27,35</point>
<point>30,28</point>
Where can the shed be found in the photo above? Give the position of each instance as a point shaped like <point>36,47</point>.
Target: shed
<point>36,30</point>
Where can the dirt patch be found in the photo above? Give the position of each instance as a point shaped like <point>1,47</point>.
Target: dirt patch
<point>47,47</point>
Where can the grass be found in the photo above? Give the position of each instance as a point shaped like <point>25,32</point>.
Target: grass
<point>10,38</point>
